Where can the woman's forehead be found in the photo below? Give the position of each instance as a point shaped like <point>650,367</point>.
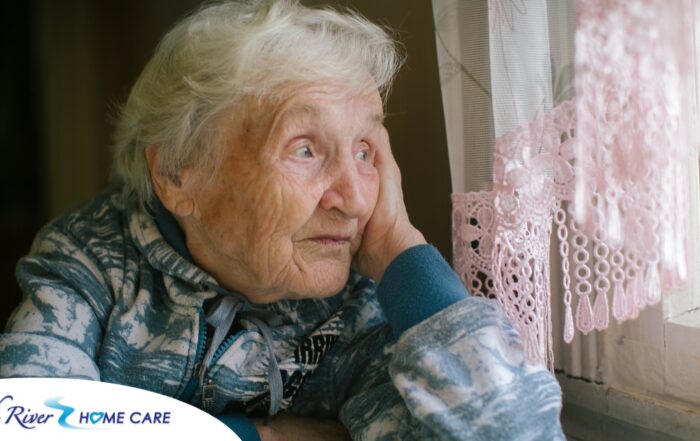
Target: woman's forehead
<point>316,110</point>
<point>265,115</point>
<point>316,103</point>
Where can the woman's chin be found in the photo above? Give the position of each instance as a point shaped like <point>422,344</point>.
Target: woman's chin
<point>323,282</point>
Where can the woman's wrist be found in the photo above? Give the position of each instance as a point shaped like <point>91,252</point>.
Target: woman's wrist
<point>416,285</point>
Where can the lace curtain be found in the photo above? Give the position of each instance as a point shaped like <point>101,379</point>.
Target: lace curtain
<point>568,120</point>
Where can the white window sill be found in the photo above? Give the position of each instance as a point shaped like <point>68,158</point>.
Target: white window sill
<point>595,412</point>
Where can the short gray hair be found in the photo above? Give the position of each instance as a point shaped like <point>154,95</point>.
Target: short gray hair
<point>210,61</point>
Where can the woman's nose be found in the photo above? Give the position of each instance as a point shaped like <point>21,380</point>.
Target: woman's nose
<point>347,191</point>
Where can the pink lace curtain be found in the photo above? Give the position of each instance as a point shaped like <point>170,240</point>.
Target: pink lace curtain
<point>588,114</point>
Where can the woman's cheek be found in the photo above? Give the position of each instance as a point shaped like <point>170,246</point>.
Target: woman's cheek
<point>265,211</point>
<point>300,195</point>
<point>298,168</point>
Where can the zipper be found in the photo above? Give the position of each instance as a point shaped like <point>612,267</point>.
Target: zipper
<point>208,388</point>
<point>223,347</point>
<point>191,387</point>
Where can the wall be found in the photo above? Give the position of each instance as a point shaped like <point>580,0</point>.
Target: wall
<point>20,139</point>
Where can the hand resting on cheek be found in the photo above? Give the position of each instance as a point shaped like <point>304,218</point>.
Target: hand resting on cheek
<point>389,230</point>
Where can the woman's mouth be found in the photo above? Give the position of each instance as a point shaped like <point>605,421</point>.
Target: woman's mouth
<point>332,240</point>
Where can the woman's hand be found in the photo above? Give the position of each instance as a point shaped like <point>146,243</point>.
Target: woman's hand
<point>389,231</point>
<point>290,428</point>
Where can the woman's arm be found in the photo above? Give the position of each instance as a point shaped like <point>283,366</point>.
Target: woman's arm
<point>458,373</point>
<point>57,328</point>
<point>457,370</point>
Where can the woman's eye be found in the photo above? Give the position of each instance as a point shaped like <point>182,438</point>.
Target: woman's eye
<point>303,152</point>
<point>362,155</point>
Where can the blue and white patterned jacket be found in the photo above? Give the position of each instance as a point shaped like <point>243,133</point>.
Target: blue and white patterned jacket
<point>107,298</point>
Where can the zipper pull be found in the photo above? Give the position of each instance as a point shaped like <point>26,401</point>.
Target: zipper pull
<point>198,371</point>
<point>208,388</point>
<point>208,395</point>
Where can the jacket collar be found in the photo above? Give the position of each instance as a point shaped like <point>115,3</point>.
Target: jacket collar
<point>170,229</point>
<point>183,277</point>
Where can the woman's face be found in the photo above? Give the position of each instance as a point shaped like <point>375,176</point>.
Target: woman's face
<point>286,211</point>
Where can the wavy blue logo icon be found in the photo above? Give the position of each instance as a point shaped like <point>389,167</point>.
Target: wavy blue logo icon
<point>66,411</point>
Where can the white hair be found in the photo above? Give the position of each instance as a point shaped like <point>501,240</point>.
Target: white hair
<point>209,62</point>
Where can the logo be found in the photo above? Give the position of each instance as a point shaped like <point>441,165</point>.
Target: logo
<point>70,419</point>
<point>32,408</point>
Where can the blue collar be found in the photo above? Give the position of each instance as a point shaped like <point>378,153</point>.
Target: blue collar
<point>170,229</point>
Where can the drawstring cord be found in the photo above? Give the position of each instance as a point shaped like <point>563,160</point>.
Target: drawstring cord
<point>222,316</point>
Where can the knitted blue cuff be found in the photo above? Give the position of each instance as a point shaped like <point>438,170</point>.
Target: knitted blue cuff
<point>417,284</point>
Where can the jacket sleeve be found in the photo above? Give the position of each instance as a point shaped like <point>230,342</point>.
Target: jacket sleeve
<point>457,370</point>
<point>57,328</point>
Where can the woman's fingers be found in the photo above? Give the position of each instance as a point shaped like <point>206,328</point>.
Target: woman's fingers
<point>284,427</point>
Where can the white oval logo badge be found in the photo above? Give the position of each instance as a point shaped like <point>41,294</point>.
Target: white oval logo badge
<point>69,409</point>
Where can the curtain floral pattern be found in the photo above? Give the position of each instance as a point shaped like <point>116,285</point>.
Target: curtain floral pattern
<point>587,138</point>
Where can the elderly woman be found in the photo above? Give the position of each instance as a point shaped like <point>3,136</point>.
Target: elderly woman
<point>235,266</point>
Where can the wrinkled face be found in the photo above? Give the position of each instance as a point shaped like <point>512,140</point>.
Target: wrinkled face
<point>286,211</point>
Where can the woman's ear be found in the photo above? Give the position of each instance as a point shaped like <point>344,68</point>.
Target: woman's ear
<point>172,192</point>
